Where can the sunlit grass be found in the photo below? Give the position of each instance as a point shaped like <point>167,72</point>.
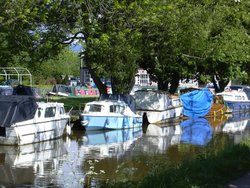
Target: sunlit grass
<point>77,103</point>
<point>209,169</point>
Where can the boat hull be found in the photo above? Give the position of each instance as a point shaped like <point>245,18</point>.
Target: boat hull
<point>29,132</point>
<point>238,106</point>
<point>161,116</point>
<point>97,122</point>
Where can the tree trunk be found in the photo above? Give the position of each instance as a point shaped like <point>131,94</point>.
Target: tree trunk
<point>101,87</point>
<point>174,82</point>
<point>162,85</point>
<point>222,84</point>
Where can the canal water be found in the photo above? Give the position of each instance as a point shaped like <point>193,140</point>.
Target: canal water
<point>83,159</point>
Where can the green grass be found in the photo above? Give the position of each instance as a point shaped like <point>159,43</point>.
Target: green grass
<point>209,169</point>
<point>77,103</point>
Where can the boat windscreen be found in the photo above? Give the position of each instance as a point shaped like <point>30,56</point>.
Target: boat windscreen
<point>15,109</point>
<point>95,108</point>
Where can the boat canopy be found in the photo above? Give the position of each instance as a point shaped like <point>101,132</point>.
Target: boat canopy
<point>6,90</point>
<point>67,90</point>
<point>128,99</point>
<point>15,109</point>
<point>244,88</point>
<point>197,103</point>
<point>152,100</point>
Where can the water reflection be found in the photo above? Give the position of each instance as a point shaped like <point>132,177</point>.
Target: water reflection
<point>113,143</point>
<point>237,126</point>
<point>30,164</point>
<point>88,158</point>
<point>158,138</point>
<point>196,131</point>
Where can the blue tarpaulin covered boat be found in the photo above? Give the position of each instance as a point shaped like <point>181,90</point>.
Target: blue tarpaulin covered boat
<point>197,103</point>
<point>196,131</point>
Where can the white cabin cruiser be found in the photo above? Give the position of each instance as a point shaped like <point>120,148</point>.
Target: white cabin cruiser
<point>237,98</point>
<point>24,121</point>
<point>157,106</point>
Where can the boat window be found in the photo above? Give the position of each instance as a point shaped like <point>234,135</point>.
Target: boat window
<point>237,88</point>
<point>50,112</point>
<point>39,112</point>
<point>95,108</point>
<point>62,110</point>
<point>116,109</point>
<point>237,97</point>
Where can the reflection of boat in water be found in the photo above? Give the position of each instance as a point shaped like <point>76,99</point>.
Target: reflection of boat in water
<point>22,165</point>
<point>196,131</point>
<point>173,132</point>
<point>158,138</point>
<point>237,126</point>
<point>236,122</point>
<point>113,143</point>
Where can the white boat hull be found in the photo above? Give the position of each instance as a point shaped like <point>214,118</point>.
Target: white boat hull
<point>163,116</point>
<point>49,122</point>
<point>237,98</point>
<point>157,106</point>
<point>29,132</point>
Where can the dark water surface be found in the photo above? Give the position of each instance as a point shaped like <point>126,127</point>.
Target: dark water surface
<point>86,158</point>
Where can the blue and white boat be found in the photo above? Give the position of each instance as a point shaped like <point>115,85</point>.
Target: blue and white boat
<point>111,112</point>
<point>237,98</point>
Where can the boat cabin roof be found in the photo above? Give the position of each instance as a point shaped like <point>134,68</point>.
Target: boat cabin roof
<point>16,108</point>
<point>106,106</point>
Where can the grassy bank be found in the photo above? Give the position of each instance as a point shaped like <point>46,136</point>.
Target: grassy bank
<point>209,169</point>
<point>76,102</point>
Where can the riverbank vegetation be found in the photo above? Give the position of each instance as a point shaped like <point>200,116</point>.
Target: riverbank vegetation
<point>74,103</point>
<point>211,168</point>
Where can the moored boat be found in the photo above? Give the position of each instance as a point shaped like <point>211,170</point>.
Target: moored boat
<point>202,103</point>
<point>157,106</point>
<point>237,98</point>
<point>111,112</point>
<point>196,103</point>
<point>24,121</point>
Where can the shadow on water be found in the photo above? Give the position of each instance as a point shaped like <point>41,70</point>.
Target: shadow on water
<point>88,158</point>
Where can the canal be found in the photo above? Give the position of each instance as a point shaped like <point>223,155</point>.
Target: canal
<point>86,158</point>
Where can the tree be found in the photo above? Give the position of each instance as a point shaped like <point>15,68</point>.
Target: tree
<point>183,38</point>
<point>111,43</point>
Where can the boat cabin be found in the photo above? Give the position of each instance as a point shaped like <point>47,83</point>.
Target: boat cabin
<point>105,107</point>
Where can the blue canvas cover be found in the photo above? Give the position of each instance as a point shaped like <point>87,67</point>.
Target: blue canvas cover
<point>197,103</point>
<point>196,131</point>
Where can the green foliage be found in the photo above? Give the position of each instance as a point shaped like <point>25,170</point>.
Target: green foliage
<point>170,39</point>
<point>51,71</point>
